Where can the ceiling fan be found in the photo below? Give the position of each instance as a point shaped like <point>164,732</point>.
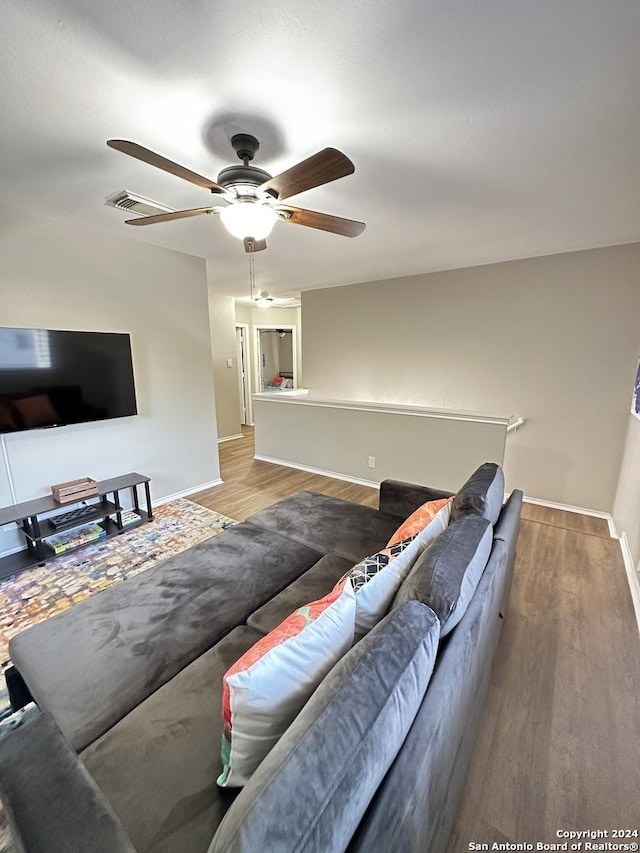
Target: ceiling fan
<point>254,199</point>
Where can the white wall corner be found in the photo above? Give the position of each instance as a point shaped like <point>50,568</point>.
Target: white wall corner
<point>230,437</point>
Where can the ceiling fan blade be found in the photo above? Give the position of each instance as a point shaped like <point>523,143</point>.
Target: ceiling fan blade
<point>153,159</point>
<point>323,221</point>
<point>167,217</point>
<point>251,245</point>
<point>321,168</point>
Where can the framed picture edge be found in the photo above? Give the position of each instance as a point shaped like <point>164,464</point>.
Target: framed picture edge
<point>635,400</point>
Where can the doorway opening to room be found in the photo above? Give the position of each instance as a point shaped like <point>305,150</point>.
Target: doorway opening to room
<point>276,358</point>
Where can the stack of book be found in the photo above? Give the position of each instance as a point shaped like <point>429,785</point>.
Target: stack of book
<point>61,542</point>
<point>128,517</point>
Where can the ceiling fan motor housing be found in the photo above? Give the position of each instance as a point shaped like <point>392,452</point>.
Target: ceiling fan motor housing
<point>248,175</point>
<point>245,147</point>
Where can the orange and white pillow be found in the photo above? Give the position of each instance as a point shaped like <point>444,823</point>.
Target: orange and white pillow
<point>419,519</point>
<point>266,688</point>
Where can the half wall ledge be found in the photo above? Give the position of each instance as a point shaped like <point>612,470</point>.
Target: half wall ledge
<point>368,442</point>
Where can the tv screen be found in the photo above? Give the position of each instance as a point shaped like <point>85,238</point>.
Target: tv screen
<point>55,378</point>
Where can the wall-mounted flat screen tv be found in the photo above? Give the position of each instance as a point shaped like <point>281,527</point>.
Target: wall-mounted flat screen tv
<point>56,378</point>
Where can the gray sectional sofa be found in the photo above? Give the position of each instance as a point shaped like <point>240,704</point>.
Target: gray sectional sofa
<point>126,752</point>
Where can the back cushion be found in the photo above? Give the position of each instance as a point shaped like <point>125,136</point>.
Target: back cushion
<point>482,494</point>
<point>447,574</point>
<point>311,791</point>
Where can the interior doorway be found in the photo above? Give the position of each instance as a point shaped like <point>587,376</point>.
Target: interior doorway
<point>244,380</point>
<point>276,357</point>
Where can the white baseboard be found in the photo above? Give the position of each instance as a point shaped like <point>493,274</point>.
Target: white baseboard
<point>580,510</point>
<point>321,471</point>
<point>632,575</point>
<point>186,492</point>
<point>230,437</point>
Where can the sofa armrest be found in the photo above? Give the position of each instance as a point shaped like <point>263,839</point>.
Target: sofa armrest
<point>401,499</point>
<point>52,803</point>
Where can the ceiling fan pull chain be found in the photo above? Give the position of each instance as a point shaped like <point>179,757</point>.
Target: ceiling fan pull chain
<point>252,276</point>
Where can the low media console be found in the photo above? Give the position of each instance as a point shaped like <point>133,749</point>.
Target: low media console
<point>31,517</point>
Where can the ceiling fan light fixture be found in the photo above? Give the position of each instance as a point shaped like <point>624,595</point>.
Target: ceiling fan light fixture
<point>264,301</point>
<point>248,219</point>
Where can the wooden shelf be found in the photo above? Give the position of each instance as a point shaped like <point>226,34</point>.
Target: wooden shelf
<point>36,530</point>
<point>47,529</point>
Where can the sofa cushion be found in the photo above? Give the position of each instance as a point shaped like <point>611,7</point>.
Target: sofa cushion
<point>92,664</point>
<point>421,517</point>
<point>311,791</point>
<point>329,525</point>
<point>51,799</point>
<point>401,499</point>
<point>447,574</point>
<point>264,690</point>
<point>482,494</point>
<point>313,584</point>
<point>158,766</point>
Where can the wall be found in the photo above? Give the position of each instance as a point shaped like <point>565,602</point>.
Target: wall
<point>270,346</point>
<point>285,352</point>
<point>550,339</point>
<point>222,313</point>
<point>626,507</point>
<point>319,435</point>
<point>57,275</point>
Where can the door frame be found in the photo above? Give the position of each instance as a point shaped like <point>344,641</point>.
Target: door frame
<point>244,383</point>
<point>274,327</point>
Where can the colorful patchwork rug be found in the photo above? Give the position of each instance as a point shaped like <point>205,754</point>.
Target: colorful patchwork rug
<point>35,594</point>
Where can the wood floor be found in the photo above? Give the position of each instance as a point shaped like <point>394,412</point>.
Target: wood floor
<point>250,485</point>
<point>558,749</point>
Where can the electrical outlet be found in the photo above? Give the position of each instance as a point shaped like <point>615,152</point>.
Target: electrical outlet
<point>229,362</point>
<point>372,462</point>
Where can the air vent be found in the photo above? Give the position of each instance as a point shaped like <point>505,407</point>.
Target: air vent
<point>124,200</point>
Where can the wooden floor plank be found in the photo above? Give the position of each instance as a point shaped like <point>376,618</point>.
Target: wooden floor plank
<point>558,744</point>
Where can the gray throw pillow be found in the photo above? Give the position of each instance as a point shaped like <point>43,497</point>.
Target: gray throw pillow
<point>482,494</point>
<point>446,575</point>
<point>312,789</point>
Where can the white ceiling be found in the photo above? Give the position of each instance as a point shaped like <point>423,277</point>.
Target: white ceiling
<point>481,131</point>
